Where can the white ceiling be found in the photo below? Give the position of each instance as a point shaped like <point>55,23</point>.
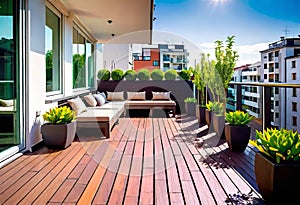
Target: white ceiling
<point>127,16</point>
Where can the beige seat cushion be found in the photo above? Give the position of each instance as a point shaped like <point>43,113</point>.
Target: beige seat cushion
<point>161,96</point>
<point>115,96</point>
<point>136,95</point>
<point>151,103</point>
<point>98,115</point>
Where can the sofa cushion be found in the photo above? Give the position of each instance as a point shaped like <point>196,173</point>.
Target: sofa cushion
<point>118,96</point>
<point>161,95</point>
<point>136,95</point>
<point>6,103</point>
<point>100,99</point>
<point>77,105</point>
<point>90,99</point>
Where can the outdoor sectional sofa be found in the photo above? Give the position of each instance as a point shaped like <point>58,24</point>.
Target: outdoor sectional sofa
<point>104,117</point>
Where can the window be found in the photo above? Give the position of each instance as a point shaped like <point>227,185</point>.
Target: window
<point>294,92</point>
<point>52,51</point>
<point>155,63</point>
<point>277,103</point>
<point>146,54</point>
<point>265,76</point>
<point>294,106</point>
<point>276,53</point>
<point>294,121</point>
<point>277,115</point>
<point>265,66</point>
<point>276,65</point>
<point>293,64</point>
<point>276,90</point>
<point>83,61</point>
<point>294,76</point>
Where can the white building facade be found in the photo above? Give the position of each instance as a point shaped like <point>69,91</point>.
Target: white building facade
<point>275,68</point>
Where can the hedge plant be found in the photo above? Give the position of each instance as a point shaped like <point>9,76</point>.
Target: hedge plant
<point>157,74</point>
<point>117,74</point>
<point>184,74</point>
<point>171,74</point>
<point>143,74</point>
<point>103,74</point>
<point>130,75</point>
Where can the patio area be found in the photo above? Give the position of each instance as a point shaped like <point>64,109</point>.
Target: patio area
<point>146,161</point>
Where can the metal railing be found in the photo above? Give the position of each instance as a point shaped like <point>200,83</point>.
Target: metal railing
<point>266,106</point>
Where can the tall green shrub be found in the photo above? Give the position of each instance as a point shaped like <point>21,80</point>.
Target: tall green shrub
<point>171,74</point>
<point>143,74</point>
<point>157,74</point>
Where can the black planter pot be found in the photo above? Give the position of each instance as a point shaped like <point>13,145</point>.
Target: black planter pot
<point>237,137</point>
<point>58,136</point>
<point>218,125</point>
<point>277,183</point>
<point>190,109</point>
<point>200,113</point>
<point>207,117</point>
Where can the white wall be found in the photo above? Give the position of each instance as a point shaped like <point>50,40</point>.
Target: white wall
<point>116,56</point>
<point>36,67</point>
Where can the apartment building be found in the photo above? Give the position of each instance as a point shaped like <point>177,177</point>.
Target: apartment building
<point>50,50</point>
<point>162,56</point>
<point>292,107</point>
<point>277,64</point>
<point>252,95</point>
<point>231,95</point>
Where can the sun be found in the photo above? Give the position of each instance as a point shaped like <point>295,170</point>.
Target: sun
<point>219,1</point>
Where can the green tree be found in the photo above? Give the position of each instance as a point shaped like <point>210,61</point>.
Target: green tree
<point>78,71</point>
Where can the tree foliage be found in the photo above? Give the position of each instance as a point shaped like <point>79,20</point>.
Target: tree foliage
<point>226,59</point>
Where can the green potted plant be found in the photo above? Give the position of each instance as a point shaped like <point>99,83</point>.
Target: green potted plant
<point>190,106</point>
<point>130,75</point>
<point>200,84</point>
<point>59,130</point>
<point>157,74</point>
<point>210,108</point>
<point>277,165</point>
<point>237,131</point>
<point>171,74</point>
<point>117,74</point>
<point>143,74</point>
<point>103,74</point>
<point>184,75</point>
<point>218,119</point>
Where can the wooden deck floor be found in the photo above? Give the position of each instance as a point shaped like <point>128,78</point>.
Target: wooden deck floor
<point>146,161</point>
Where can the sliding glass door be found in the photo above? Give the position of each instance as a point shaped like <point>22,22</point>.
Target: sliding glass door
<point>9,76</point>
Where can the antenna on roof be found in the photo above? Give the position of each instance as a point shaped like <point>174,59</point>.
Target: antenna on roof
<point>286,31</point>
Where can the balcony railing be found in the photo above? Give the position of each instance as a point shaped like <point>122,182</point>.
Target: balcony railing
<point>266,108</point>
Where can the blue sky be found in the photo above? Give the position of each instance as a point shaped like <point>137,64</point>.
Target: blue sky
<point>255,23</point>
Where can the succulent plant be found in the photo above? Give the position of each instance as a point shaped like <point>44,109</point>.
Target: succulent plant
<point>238,118</point>
<point>281,145</point>
<point>216,107</point>
<point>59,115</point>
<point>190,100</point>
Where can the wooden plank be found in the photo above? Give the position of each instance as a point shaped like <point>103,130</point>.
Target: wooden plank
<point>63,190</point>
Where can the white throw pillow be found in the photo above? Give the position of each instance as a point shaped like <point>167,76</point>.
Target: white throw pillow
<point>100,99</point>
<point>136,95</point>
<point>90,99</point>
<point>6,103</point>
<point>77,105</point>
<point>161,95</point>
<point>117,96</point>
